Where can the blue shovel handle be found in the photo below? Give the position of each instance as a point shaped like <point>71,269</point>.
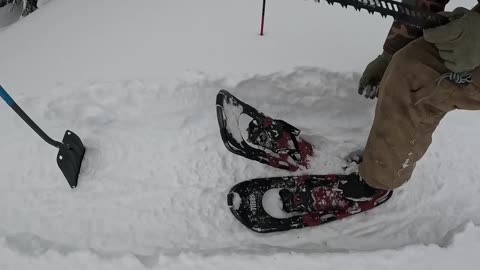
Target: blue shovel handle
<point>71,151</point>
<point>26,118</point>
<point>8,99</point>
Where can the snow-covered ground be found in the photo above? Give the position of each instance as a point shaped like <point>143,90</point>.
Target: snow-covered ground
<point>10,12</point>
<point>137,81</point>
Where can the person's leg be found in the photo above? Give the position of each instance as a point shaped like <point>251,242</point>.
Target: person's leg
<point>411,103</point>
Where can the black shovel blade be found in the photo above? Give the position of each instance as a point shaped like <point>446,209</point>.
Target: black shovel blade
<point>70,157</point>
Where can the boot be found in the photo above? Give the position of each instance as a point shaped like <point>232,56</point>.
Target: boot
<point>354,188</point>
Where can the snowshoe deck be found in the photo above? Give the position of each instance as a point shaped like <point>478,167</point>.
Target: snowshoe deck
<point>246,203</point>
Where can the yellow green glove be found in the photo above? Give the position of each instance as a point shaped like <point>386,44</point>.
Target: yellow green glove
<point>458,42</point>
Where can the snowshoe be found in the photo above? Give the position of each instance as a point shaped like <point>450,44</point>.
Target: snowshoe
<point>269,141</point>
<point>310,200</point>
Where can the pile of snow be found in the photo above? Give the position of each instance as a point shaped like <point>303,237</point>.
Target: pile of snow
<point>10,12</point>
<point>137,81</point>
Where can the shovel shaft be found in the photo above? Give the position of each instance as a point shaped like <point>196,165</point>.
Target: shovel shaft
<point>9,100</point>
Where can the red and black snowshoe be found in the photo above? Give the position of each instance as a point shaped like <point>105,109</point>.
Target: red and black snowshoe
<point>269,141</point>
<point>309,200</point>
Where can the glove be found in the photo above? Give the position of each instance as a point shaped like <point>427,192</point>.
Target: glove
<point>458,42</point>
<point>371,77</point>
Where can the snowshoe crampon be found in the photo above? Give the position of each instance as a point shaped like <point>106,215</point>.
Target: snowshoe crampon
<point>246,202</point>
<point>269,141</point>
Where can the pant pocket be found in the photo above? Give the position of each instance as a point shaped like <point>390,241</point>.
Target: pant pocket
<point>428,86</point>
<point>434,93</point>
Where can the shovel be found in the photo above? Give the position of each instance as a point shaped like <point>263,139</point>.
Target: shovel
<point>71,149</point>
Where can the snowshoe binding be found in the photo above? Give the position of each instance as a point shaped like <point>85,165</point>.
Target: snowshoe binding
<point>308,198</point>
<point>300,200</point>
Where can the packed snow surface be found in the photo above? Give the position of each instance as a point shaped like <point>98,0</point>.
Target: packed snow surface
<point>137,81</point>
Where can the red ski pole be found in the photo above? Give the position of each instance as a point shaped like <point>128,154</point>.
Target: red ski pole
<point>263,18</point>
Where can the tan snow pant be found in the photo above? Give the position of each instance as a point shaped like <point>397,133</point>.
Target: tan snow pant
<point>411,103</point>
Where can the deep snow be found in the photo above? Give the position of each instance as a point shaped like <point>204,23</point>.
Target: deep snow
<point>137,81</point>
<point>10,13</point>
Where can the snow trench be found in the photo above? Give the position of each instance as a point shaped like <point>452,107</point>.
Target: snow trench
<point>152,191</point>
